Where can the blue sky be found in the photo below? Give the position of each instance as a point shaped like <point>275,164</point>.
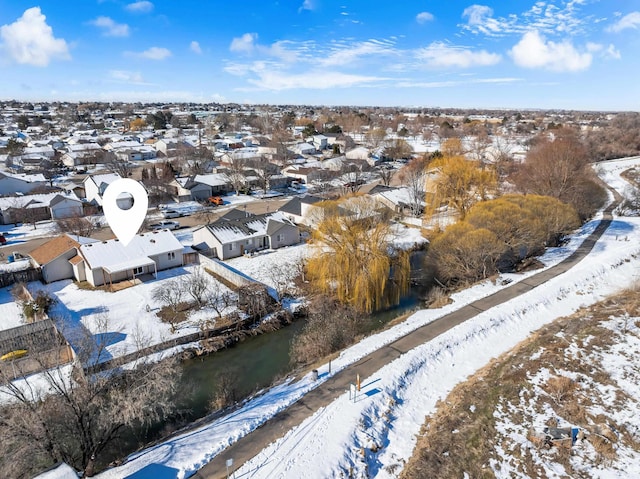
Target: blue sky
<point>565,54</point>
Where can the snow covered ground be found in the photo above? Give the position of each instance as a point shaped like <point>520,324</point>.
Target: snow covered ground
<point>10,313</point>
<point>391,409</point>
<point>124,319</point>
<point>23,232</point>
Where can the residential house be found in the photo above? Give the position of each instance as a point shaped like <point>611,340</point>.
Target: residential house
<point>53,257</point>
<point>81,154</point>
<point>108,262</point>
<point>307,175</point>
<point>399,200</point>
<point>11,183</point>
<point>304,149</point>
<point>320,142</point>
<point>200,187</point>
<point>139,153</point>
<point>237,233</point>
<point>298,210</point>
<point>95,186</point>
<point>358,153</point>
<point>31,208</point>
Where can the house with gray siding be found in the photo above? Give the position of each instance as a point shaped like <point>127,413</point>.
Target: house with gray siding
<point>238,232</point>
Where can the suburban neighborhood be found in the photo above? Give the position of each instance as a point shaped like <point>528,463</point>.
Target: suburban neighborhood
<point>319,239</point>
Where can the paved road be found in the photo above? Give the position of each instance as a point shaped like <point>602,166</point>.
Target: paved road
<point>275,428</point>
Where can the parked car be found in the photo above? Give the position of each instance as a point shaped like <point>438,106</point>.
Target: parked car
<point>216,200</point>
<point>3,240</point>
<point>170,225</point>
<point>171,214</point>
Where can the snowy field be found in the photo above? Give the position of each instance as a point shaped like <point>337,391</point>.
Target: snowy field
<point>123,320</point>
<point>392,408</point>
<point>24,231</point>
<point>10,313</point>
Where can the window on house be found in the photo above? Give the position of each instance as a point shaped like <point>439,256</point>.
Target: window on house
<point>231,247</point>
<point>137,270</point>
<point>172,255</point>
<point>280,237</point>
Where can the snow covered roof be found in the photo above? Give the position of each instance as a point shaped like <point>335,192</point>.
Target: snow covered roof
<point>213,179</point>
<point>37,200</point>
<point>112,253</point>
<point>397,196</point>
<point>239,227</point>
<point>107,178</point>
<point>39,177</point>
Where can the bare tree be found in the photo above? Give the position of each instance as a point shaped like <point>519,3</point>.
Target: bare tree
<point>76,225</point>
<point>280,140</point>
<point>413,176</point>
<point>398,149</point>
<point>170,293</point>
<point>264,171</point>
<point>386,174</point>
<point>70,415</point>
<point>219,298</point>
<point>376,137</point>
<point>196,285</point>
<point>235,174</point>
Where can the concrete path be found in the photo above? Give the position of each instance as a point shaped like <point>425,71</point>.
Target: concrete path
<point>275,428</point>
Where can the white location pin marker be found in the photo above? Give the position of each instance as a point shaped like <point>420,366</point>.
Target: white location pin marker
<point>125,223</point>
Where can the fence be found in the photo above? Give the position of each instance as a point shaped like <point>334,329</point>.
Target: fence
<point>226,272</point>
<point>7,278</point>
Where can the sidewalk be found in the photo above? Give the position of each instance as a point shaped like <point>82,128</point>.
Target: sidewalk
<point>275,428</point>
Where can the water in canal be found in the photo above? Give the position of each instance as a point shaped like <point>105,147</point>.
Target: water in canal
<point>257,361</point>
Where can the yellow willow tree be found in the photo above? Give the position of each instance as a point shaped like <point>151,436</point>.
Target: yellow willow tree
<point>354,259</point>
<point>459,183</point>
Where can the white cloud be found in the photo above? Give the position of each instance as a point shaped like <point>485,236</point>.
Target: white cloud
<point>307,5</point>
<point>195,47</point>
<point>609,52</point>
<point>424,17</point>
<point>247,44</point>
<point>631,20</point>
<point>613,52</point>
<point>452,83</point>
<point>244,44</point>
<point>30,41</point>
<point>549,17</point>
<point>126,76</point>
<point>153,53</point>
<point>269,79</point>
<point>533,51</point>
<point>110,28</point>
<point>347,53</point>
<point>139,7</point>
<point>439,54</point>
<point>477,14</point>
<point>156,53</point>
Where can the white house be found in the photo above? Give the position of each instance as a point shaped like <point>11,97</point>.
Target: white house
<point>320,142</point>
<point>107,262</point>
<point>10,183</point>
<point>81,154</point>
<point>238,232</point>
<point>95,186</point>
<point>358,153</point>
<point>304,149</point>
<point>42,207</point>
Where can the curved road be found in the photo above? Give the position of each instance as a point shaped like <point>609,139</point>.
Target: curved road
<point>276,427</point>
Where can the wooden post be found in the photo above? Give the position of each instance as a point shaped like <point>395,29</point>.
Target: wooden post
<point>358,382</point>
